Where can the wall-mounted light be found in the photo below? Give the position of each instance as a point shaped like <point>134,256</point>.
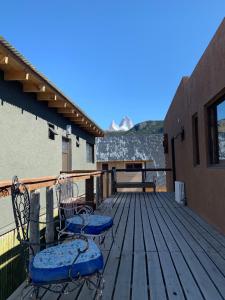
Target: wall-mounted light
<point>68,130</point>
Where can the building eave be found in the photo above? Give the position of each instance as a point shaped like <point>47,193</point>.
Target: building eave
<point>17,68</point>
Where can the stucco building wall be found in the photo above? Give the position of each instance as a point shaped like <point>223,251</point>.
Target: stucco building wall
<point>205,188</point>
<point>25,149</point>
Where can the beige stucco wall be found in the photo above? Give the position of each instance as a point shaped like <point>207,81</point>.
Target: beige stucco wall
<point>123,176</point>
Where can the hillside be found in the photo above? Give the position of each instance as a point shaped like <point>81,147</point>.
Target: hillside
<point>147,127</point>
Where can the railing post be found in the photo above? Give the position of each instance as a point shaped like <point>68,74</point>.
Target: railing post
<point>107,184</point>
<point>89,191</point>
<point>101,194</point>
<point>97,194</point>
<point>34,221</point>
<point>143,179</point>
<point>49,233</point>
<point>113,181</point>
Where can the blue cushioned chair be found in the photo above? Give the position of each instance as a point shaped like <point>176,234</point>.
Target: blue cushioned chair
<point>76,261</point>
<point>75,218</point>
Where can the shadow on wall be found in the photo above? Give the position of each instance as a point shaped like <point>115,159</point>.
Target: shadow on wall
<point>12,92</point>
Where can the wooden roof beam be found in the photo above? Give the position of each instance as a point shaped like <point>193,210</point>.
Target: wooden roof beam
<point>72,115</point>
<point>16,75</point>
<point>33,88</point>
<point>4,60</point>
<point>47,97</point>
<point>58,104</point>
<point>68,111</point>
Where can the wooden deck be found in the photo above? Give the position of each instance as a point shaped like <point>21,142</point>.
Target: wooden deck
<point>162,251</point>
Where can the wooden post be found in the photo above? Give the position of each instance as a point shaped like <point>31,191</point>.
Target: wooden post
<point>49,233</point>
<point>34,221</point>
<point>89,191</point>
<point>101,187</point>
<point>97,194</point>
<point>107,184</point>
<point>113,181</point>
<point>143,179</point>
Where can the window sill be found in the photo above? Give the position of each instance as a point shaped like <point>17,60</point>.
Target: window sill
<point>216,166</point>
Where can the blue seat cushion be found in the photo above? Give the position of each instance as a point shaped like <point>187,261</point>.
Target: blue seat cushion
<point>53,264</point>
<point>94,224</point>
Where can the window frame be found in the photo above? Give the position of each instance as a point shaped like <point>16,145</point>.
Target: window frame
<point>195,140</point>
<point>212,127</point>
<point>90,158</point>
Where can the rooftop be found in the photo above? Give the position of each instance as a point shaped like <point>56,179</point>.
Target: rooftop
<point>131,147</point>
<point>17,68</point>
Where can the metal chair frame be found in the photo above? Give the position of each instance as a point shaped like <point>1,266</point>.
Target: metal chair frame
<point>21,210</point>
<point>67,192</point>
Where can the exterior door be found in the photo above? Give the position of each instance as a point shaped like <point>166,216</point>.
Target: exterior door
<point>173,160</point>
<point>66,155</point>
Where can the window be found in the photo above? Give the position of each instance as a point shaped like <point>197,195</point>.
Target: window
<point>105,167</point>
<point>90,153</point>
<point>216,123</point>
<point>134,166</point>
<point>195,137</point>
<point>51,131</point>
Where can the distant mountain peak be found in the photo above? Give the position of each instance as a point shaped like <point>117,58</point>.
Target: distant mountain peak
<point>113,126</point>
<point>125,125</point>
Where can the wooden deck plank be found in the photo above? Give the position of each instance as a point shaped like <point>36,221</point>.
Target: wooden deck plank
<point>147,230</point>
<point>112,255</point>
<point>111,268</point>
<point>203,240</point>
<point>139,280</point>
<point>162,251</point>
<point>201,222</point>
<point>156,281</point>
<point>173,286</point>
<point>188,283</point>
<point>206,275</point>
<point>123,283</point>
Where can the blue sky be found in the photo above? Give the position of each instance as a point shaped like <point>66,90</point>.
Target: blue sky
<point>113,57</point>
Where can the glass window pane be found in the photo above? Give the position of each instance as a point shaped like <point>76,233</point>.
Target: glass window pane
<point>221,129</point>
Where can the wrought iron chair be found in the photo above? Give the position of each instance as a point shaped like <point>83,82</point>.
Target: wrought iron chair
<point>77,262</point>
<point>76,218</point>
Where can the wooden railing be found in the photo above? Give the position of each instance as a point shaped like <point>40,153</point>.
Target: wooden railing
<point>143,184</point>
<point>99,184</point>
<point>48,181</point>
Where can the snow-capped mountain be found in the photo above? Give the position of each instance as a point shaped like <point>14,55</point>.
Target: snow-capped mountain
<point>125,125</point>
<point>113,126</point>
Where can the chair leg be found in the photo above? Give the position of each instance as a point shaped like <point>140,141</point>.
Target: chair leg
<point>35,293</point>
<point>23,290</point>
<point>100,286</point>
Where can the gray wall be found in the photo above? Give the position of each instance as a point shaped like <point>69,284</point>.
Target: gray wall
<point>25,149</point>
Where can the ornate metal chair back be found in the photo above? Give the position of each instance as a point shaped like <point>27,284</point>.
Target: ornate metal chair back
<point>67,193</point>
<point>21,209</point>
